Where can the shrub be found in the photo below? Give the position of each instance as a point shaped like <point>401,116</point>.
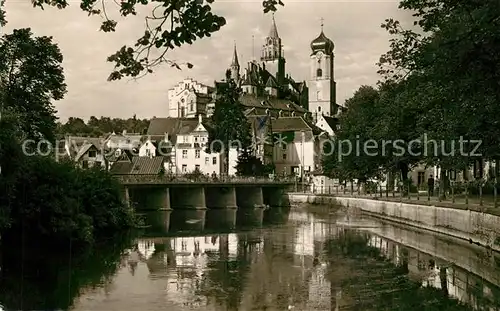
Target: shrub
<point>51,201</point>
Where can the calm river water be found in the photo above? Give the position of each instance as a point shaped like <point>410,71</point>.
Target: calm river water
<point>306,258</point>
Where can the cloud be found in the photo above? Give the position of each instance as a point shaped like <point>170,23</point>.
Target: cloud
<point>354,26</point>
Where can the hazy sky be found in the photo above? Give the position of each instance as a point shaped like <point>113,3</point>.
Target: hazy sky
<point>354,26</point>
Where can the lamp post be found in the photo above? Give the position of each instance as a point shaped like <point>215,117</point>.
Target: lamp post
<point>302,166</point>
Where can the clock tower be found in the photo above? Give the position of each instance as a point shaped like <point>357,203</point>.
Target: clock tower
<point>322,85</point>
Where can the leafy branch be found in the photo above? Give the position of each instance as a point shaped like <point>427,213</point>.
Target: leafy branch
<point>171,24</point>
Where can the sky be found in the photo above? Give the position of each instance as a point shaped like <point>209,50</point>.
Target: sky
<point>354,26</point>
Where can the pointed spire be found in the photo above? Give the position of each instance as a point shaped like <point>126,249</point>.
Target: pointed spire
<point>322,20</point>
<point>235,62</point>
<point>273,33</point>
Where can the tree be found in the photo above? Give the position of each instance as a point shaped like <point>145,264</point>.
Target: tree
<point>453,68</point>
<point>170,24</point>
<point>248,164</point>
<point>358,125</point>
<point>229,125</point>
<point>31,77</point>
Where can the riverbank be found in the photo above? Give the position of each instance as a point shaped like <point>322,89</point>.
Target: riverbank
<point>472,224</point>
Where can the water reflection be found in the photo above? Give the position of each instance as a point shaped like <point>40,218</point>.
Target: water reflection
<point>281,259</point>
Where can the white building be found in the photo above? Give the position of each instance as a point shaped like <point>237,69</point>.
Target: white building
<point>191,154</point>
<point>327,124</point>
<point>186,146</point>
<point>188,99</point>
<point>297,146</point>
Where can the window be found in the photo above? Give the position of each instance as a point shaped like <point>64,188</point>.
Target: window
<point>284,156</point>
<point>184,154</point>
<point>97,163</point>
<point>197,168</point>
<point>184,168</point>
<point>196,139</point>
<point>319,73</point>
<point>214,160</point>
<point>207,160</point>
<point>191,107</point>
<point>148,153</point>
<point>85,164</point>
<point>319,109</point>
<point>283,146</point>
<point>92,154</point>
<point>318,95</point>
<point>185,139</point>
<point>421,178</point>
<point>197,154</point>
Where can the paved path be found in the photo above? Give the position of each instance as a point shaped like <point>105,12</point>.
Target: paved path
<point>460,202</point>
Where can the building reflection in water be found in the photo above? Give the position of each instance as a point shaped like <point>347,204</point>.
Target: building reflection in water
<point>301,264</point>
<point>431,271</point>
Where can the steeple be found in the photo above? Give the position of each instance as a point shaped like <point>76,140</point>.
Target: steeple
<point>273,33</point>
<point>235,66</point>
<point>322,43</point>
<point>235,62</point>
<point>271,50</point>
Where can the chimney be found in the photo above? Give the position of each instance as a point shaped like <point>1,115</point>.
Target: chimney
<point>200,118</point>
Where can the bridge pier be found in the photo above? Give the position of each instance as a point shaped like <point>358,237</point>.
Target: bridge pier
<point>274,196</point>
<point>152,199</point>
<point>189,198</point>
<point>221,197</point>
<point>249,197</point>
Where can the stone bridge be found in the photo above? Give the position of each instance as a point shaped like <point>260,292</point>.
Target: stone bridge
<point>165,193</point>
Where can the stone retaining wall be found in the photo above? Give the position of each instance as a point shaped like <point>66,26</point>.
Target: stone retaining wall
<point>475,227</point>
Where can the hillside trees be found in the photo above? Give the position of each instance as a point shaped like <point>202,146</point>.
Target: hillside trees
<point>169,24</point>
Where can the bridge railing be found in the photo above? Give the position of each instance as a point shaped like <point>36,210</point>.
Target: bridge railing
<point>163,179</point>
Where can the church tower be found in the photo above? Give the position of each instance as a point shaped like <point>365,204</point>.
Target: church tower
<point>235,67</point>
<point>272,54</point>
<point>322,85</point>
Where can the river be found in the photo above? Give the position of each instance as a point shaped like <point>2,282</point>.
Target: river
<point>305,258</point>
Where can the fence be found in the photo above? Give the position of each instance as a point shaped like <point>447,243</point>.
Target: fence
<point>464,193</point>
<point>163,179</point>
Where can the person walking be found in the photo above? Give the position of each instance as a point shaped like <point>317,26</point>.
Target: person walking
<point>430,185</point>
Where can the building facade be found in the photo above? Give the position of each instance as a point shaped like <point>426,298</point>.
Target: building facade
<point>188,99</point>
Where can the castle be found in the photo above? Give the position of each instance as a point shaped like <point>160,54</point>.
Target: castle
<point>266,85</point>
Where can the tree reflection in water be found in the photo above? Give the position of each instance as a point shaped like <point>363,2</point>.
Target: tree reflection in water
<point>33,279</point>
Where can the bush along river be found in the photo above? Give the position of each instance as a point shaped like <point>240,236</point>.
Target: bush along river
<point>304,258</point>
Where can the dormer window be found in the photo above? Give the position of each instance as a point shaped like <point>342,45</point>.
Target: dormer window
<point>263,103</point>
<point>267,111</point>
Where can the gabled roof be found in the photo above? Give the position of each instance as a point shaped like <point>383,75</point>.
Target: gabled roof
<point>285,124</point>
<point>125,155</point>
<point>332,122</point>
<point>147,166</point>
<point>86,147</point>
<point>121,168</point>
